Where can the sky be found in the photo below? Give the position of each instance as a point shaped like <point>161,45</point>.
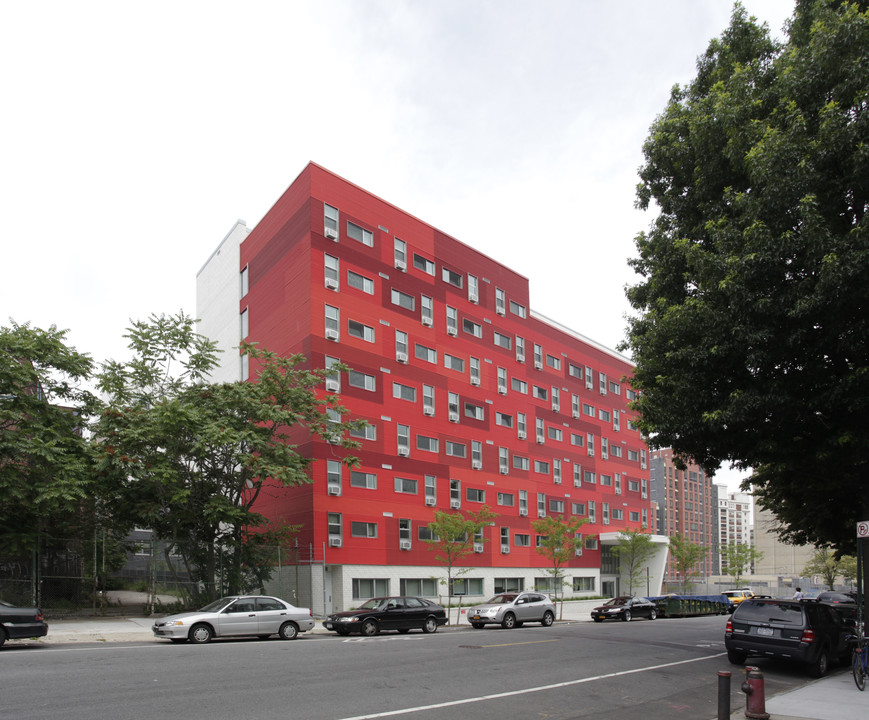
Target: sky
<point>134,135</point>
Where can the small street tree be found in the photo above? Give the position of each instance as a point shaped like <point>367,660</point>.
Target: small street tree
<point>634,550</point>
<point>559,539</point>
<point>825,564</point>
<point>686,556</point>
<point>738,558</point>
<point>453,537</point>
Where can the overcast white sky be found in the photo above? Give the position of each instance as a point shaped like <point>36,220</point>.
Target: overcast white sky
<point>135,134</point>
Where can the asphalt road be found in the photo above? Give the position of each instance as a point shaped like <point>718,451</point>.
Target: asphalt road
<point>645,670</point>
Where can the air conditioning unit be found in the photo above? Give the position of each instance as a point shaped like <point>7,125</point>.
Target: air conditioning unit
<point>521,434</point>
<point>334,542</point>
<point>401,265</point>
<point>455,504</point>
<point>404,544</point>
<point>520,359</point>
<point>541,513</point>
<point>332,283</point>
<point>454,416</point>
<point>452,331</point>
<point>540,440</point>
<point>334,490</point>
<point>505,549</point>
<point>474,298</point>
<point>428,411</point>
<point>403,451</point>
<point>475,381</point>
<point>538,365</point>
<point>431,502</point>
<point>578,552</point>
<point>576,414</point>
<point>556,407</point>
<point>504,470</point>
<point>478,547</point>
<point>523,512</point>
<point>401,357</point>
<point>501,311</point>
<point>557,481</point>
<point>502,389</point>
<point>331,233</point>
<point>332,334</point>
<point>332,385</point>
<point>477,464</point>
<point>427,321</point>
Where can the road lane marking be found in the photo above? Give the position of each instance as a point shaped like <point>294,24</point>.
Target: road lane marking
<point>530,642</point>
<point>512,693</point>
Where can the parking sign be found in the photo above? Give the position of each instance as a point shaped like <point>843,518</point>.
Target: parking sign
<point>863,529</point>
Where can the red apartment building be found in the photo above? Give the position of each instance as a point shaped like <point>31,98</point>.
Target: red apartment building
<point>471,398</point>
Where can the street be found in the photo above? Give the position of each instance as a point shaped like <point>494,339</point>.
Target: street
<point>650,670</point>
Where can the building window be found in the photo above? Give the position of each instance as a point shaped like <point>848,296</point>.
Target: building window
<point>418,587</point>
<point>473,288</point>
<point>520,349</point>
<point>452,320</point>
<point>408,302</point>
<point>431,487</point>
<point>369,432</point>
<point>452,362</point>
<point>540,393</point>
<point>602,384</point>
<point>366,588</point>
<point>523,502</point>
<point>360,234</point>
<point>363,529</point>
<point>517,309</point>
<point>406,485</point>
<point>468,586</point>
<point>455,493</point>
<point>506,499</point>
<point>556,471</point>
<point>553,362</point>
<point>578,508</point>
<point>521,424</point>
<point>403,438</point>
<point>556,506</point>
<point>520,463</point>
<point>474,411</point>
<point>604,449</point>
<point>541,466</point>
<point>333,320</point>
<point>428,398</point>
<point>245,366</point>
<point>583,584</point>
<point>425,353</point>
<point>401,345</point>
<point>243,282</point>
<point>500,298</point>
<point>603,415</point>
<point>503,460</point>
<point>574,371</point>
<point>475,495</point>
<point>589,444</point>
<point>475,370</point>
<point>521,540</point>
<point>453,278</point>
<point>358,330</point>
<point>519,385</point>
<point>400,254</point>
<point>591,543</point>
<point>426,310</point>
<point>333,521</point>
<point>589,477</point>
<point>589,379</point>
<point>455,449</point>
<point>472,328</point>
<point>361,380</point>
<point>330,221</point>
<point>331,273</point>
<point>541,505</point>
<point>617,514</point>
<point>477,453</point>
<point>364,480</point>
<point>429,444</point>
<point>503,341</point>
<point>588,409</point>
<point>403,392</point>
<point>503,419</point>
<point>615,388</point>
<point>424,264</point>
<point>245,330</point>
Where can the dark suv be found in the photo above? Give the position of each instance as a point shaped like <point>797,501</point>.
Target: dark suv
<point>806,632</point>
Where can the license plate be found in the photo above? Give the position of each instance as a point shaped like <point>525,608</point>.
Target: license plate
<point>764,631</point>
<point>475,617</point>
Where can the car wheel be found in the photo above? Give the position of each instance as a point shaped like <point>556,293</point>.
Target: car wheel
<point>369,628</point>
<point>627,616</point>
<point>404,631</point>
<point>342,631</point>
<point>201,634</point>
<point>821,664</point>
<point>509,621</point>
<point>478,626</point>
<point>735,658</point>
<point>653,614</point>
<point>548,619</point>
<point>289,631</point>
<point>430,625</point>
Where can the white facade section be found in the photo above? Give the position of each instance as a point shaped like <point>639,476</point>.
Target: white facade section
<point>218,295</point>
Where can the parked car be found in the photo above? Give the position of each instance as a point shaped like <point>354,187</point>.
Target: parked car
<point>20,622</point>
<point>828,596</point>
<point>235,616</point>
<point>403,613</point>
<point>511,610</point>
<point>734,597</point>
<point>809,633</point>
<point>625,608</point>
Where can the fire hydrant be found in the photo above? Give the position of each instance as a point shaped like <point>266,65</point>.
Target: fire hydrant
<point>755,700</point>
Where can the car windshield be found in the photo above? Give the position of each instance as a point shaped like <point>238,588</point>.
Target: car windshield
<point>790,613</point>
<point>372,604</point>
<point>503,598</point>
<point>217,605</point>
<point>617,601</point>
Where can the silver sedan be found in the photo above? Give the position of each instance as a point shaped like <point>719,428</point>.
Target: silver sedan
<point>234,616</point>
<point>511,610</point>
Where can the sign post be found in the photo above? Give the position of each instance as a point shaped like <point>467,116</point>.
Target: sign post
<point>862,535</point>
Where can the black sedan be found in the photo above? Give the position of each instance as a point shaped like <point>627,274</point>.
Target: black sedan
<point>625,608</point>
<point>20,622</point>
<point>388,613</point>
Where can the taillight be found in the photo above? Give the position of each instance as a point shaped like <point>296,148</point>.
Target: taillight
<point>39,615</point>
<point>728,629</point>
<point>808,636</point>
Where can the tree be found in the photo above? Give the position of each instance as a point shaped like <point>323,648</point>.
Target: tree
<point>751,332</point>
<point>686,555</point>
<point>634,550</point>
<point>848,568</point>
<point>453,537</point>
<point>47,484</point>
<point>824,563</point>
<point>559,539</point>
<point>739,557</point>
<point>195,456</point>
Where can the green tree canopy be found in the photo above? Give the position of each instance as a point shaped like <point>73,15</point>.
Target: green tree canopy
<point>738,558</point>
<point>559,538</point>
<point>825,563</point>
<point>686,556</point>
<point>634,550</point>
<point>47,482</point>
<point>751,332</point>
<point>194,456</point>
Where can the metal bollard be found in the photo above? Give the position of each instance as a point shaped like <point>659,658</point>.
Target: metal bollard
<point>755,700</point>
<point>723,694</point>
